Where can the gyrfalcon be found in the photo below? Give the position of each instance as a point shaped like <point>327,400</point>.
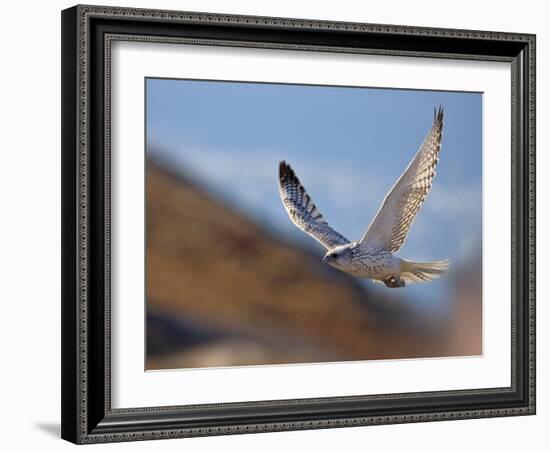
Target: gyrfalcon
<point>372,256</point>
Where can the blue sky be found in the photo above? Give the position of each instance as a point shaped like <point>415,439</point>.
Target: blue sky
<point>347,145</point>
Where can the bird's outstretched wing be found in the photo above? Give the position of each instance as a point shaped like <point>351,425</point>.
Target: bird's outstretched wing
<point>303,212</point>
<point>391,224</point>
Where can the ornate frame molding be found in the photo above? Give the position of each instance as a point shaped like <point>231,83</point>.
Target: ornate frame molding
<point>84,421</point>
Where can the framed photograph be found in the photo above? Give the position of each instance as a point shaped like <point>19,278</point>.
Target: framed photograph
<point>277,224</point>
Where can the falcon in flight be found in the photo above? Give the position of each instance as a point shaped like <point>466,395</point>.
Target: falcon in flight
<point>372,256</point>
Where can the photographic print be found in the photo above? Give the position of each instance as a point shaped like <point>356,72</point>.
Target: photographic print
<point>343,211</point>
<point>293,223</point>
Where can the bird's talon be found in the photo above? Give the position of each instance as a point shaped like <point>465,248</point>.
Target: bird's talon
<point>392,282</point>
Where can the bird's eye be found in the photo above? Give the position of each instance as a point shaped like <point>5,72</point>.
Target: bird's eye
<point>333,255</point>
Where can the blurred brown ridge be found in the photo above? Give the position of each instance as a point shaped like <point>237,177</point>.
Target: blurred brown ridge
<point>224,291</point>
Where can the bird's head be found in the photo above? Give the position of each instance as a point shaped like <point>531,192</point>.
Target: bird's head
<point>338,257</point>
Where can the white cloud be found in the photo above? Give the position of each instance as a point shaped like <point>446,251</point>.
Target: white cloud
<point>348,196</point>
<point>461,202</point>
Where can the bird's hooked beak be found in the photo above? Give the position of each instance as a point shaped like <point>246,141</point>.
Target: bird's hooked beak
<point>325,259</point>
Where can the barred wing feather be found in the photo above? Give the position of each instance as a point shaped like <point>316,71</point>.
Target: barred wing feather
<point>391,225</point>
<point>303,212</point>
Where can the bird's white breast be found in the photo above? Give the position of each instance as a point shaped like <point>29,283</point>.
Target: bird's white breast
<point>373,263</point>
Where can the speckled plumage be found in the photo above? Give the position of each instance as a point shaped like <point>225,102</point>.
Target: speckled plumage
<point>373,255</point>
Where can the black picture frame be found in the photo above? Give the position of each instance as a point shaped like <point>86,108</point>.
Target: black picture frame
<point>87,416</point>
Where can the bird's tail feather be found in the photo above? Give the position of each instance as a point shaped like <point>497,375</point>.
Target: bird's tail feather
<point>419,272</point>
